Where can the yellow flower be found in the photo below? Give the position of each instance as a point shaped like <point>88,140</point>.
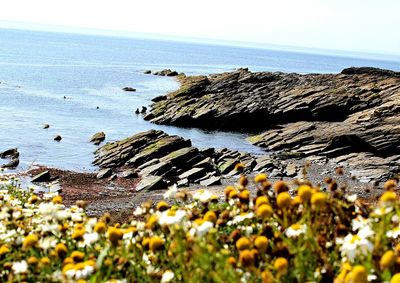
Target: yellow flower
<point>68,260</point>
<point>395,278</point>
<point>260,178</point>
<point>280,187</point>
<point>151,222</point>
<point>305,193</point>
<point>67,267</point>
<point>33,260</point>
<point>228,190</point>
<point>389,185</point>
<point>267,277</point>
<point>4,249</point>
<point>261,243</point>
<point>100,227</point>
<point>57,200</point>
<point>246,258</point>
<point>33,199</point>
<point>233,194</point>
<point>231,260</point>
<point>318,199</point>
<point>239,167</point>
<point>283,200</point>
<point>114,235</point>
<point>45,261</point>
<point>359,274</point>
<point>264,211</point>
<point>61,250</point>
<point>243,243</point>
<point>155,243</point>
<point>261,200</point>
<point>210,216</point>
<point>388,197</point>
<point>78,233</point>
<point>244,195</point>
<point>243,181</point>
<point>281,265</point>
<point>30,241</point>
<point>77,256</point>
<point>162,205</point>
<point>387,260</point>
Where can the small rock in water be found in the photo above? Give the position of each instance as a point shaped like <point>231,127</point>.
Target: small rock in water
<point>58,138</point>
<point>137,111</point>
<point>144,109</point>
<point>147,72</point>
<point>46,126</point>
<point>9,153</point>
<point>97,138</point>
<point>12,164</point>
<point>127,88</point>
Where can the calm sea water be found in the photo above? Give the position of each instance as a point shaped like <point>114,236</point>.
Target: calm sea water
<point>37,69</point>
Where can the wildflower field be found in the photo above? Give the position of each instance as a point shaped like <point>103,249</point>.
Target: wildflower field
<point>271,235</point>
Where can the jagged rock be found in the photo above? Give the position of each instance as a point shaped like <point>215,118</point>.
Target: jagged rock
<point>104,173</point>
<point>193,174</point>
<point>98,138</point>
<point>9,153</point>
<point>12,164</point>
<point>129,174</point>
<point>151,182</point>
<point>291,170</point>
<point>166,72</point>
<point>127,88</point>
<point>42,177</point>
<point>212,181</point>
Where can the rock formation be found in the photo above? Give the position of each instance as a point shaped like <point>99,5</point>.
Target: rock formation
<point>351,117</point>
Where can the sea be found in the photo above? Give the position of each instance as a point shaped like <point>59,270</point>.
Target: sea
<point>38,69</point>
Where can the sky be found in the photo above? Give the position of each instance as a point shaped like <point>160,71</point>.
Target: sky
<point>371,26</point>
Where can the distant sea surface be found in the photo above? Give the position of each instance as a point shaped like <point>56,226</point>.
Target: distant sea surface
<point>37,69</point>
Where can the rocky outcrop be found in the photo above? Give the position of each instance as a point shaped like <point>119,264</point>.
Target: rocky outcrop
<point>166,72</point>
<point>353,116</point>
<point>98,138</point>
<point>174,159</point>
<point>13,156</point>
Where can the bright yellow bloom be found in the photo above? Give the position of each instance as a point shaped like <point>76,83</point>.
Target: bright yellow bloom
<point>155,243</point>
<point>243,243</point>
<point>77,256</point>
<point>210,216</point>
<point>100,227</point>
<point>261,200</point>
<point>388,197</point>
<point>267,277</point>
<point>305,193</point>
<point>389,185</point>
<point>4,249</point>
<point>228,190</point>
<point>281,265</point>
<point>233,194</point>
<point>395,278</point>
<point>283,200</point>
<point>33,260</point>
<point>33,199</point>
<point>264,211</point>
<point>114,235</point>
<point>61,250</point>
<point>246,258</point>
<point>280,186</point>
<point>30,241</point>
<point>260,178</point>
<point>67,267</point>
<point>359,274</point>
<point>151,222</point>
<point>162,205</point>
<point>244,195</point>
<point>318,199</point>
<point>57,200</point>
<point>45,261</point>
<point>243,181</point>
<point>261,243</point>
<point>239,167</point>
<point>387,260</point>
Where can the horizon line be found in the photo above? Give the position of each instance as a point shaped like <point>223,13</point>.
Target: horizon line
<point>196,40</point>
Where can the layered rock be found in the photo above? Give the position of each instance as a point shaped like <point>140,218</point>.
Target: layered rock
<point>352,116</point>
<point>173,159</point>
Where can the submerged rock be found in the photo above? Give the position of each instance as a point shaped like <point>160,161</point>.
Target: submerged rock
<point>127,88</point>
<point>98,138</point>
